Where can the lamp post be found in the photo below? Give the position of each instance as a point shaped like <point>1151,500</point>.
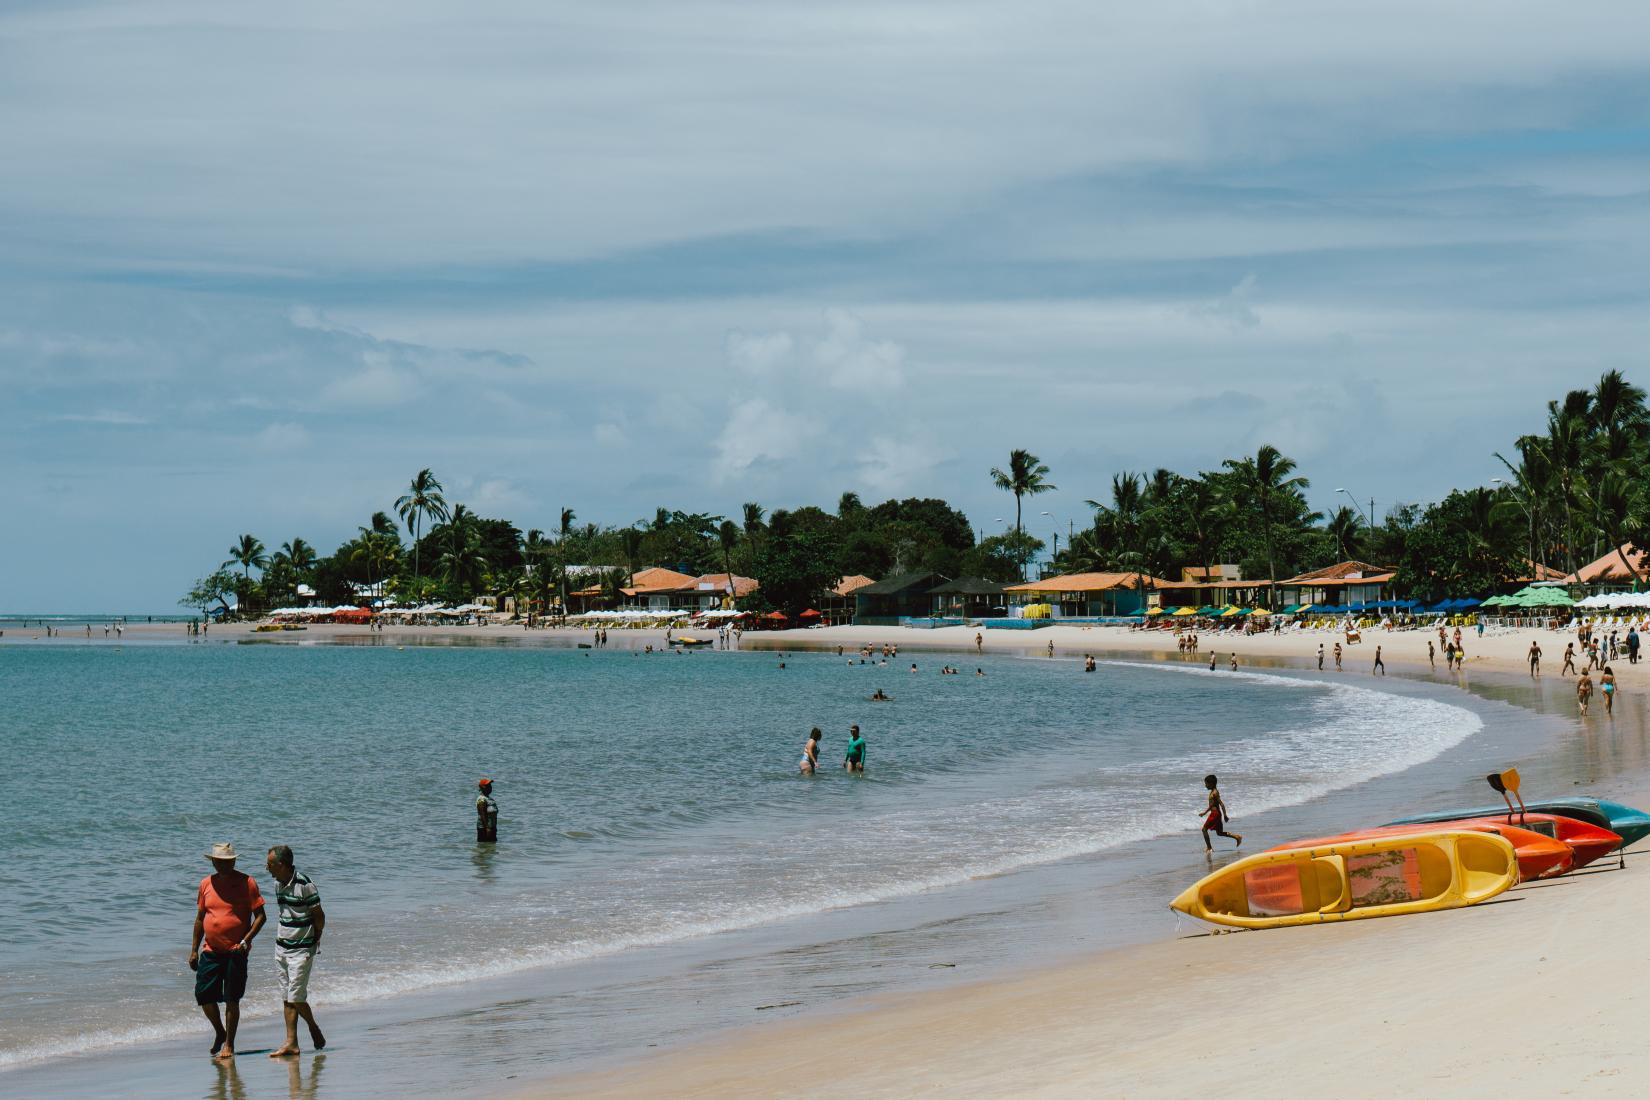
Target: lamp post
<point>1370,516</point>
<point>1529,518</point>
<point>1056,525</point>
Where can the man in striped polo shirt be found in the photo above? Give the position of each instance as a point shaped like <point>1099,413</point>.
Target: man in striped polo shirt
<point>296,938</point>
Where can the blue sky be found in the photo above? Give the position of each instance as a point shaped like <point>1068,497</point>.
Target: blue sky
<point>259,266</point>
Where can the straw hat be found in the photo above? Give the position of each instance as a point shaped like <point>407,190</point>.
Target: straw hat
<point>222,851</point>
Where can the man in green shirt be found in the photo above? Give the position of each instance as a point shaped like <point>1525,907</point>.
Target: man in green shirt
<point>855,760</point>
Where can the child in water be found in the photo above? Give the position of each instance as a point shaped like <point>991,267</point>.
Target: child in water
<point>1215,816</point>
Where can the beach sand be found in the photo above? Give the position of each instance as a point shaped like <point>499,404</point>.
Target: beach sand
<point>1538,993</point>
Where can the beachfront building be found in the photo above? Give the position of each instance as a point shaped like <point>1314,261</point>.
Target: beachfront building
<point>837,606</point>
<point>1608,574</point>
<point>1339,585</point>
<point>903,596</point>
<point>717,592</point>
<point>969,598</point>
<point>650,589</point>
<point>1217,586</point>
<point>1090,595</point>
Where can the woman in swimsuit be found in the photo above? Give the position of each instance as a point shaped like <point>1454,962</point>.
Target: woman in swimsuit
<point>1215,817</point>
<point>810,752</point>
<point>1607,684</point>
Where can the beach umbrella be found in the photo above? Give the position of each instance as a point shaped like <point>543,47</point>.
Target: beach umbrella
<point>1260,612</point>
<point>1182,612</point>
<point>811,613</point>
<point>777,616</point>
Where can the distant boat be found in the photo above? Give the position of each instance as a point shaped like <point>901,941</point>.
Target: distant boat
<point>686,641</point>
<point>1633,825</point>
<point>1390,876</point>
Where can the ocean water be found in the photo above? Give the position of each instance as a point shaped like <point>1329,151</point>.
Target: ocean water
<point>646,800</point>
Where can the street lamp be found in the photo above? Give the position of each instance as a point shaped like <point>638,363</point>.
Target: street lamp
<point>1371,514</point>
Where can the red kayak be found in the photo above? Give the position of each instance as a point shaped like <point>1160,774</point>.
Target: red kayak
<point>1538,856</point>
<point>1587,840</point>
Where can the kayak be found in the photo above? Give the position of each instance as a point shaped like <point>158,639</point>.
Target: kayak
<point>690,641</point>
<point>1538,856</point>
<point>1633,825</point>
<point>1353,880</point>
<point>1587,841</point>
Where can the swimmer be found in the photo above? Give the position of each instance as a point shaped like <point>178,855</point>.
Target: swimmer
<point>810,752</point>
<point>979,672</point>
<point>854,761</point>
<point>880,696</point>
<point>1215,818</point>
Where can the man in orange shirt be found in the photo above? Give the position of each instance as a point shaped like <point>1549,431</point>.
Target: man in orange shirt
<point>229,912</point>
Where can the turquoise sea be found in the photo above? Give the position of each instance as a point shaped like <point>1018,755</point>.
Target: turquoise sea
<point>662,866</point>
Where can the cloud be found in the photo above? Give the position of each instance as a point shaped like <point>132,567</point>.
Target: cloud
<point>759,353</point>
<point>892,466</point>
<point>281,437</point>
<point>851,361</point>
<point>609,434</point>
<point>379,383</point>
<point>758,432</point>
<point>1232,309</point>
<point>102,416</point>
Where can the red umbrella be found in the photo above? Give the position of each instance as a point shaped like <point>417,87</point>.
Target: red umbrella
<point>775,615</point>
<point>809,614</point>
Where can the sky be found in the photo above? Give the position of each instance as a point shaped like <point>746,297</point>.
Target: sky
<point>261,264</point>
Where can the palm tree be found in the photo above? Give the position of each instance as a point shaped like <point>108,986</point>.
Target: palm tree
<point>1206,513</point>
<point>462,562</point>
<point>564,528</point>
<point>728,535</point>
<point>630,542</point>
<point>1620,510</point>
<point>248,553</point>
<point>422,501</point>
<point>300,555</point>
<point>379,551</point>
<point>1531,477</point>
<point>849,505</point>
<point>1025,477</point>
<point>1264,482</point>
<point>1125,518</point>
<point>1343,528</point>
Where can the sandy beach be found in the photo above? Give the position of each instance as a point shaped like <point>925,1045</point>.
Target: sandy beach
<point>1445,1004</point>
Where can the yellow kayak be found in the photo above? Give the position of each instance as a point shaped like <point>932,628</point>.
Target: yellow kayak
<point>1418,873</point>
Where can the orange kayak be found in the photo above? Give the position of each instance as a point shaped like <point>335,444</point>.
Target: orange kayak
<point>1538,856</point>
<point>1588,841</point>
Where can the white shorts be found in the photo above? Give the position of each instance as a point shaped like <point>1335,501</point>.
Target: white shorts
<point>292,973</point>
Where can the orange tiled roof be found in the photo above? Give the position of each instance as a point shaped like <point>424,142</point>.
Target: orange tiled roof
<point>1609,568</point>
<point>847,586</point>
<point>718,582</point>
<point>652,580</point>
<point>1090,582</point>
<point>1345,572</point>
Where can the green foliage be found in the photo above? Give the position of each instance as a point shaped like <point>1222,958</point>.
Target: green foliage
<point>211,592</point>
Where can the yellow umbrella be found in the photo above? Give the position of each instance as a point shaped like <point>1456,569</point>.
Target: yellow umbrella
<point>1260,611</point>
<point>1229,612</point>
<point>1185,611</point>
<point>1155,611</point>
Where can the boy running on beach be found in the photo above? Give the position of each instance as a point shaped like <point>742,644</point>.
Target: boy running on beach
<point>1215,818</point>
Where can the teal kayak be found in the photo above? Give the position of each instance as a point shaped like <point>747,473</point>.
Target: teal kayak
<point>1633,825</point>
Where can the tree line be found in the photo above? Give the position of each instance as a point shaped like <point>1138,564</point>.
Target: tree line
<point>1571,493</point>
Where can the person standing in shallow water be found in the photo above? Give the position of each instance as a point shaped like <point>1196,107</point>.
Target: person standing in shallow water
<point>854,760</point>
<point>810,752</point>
<point>1214,818</point>
<point>486,814</point>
